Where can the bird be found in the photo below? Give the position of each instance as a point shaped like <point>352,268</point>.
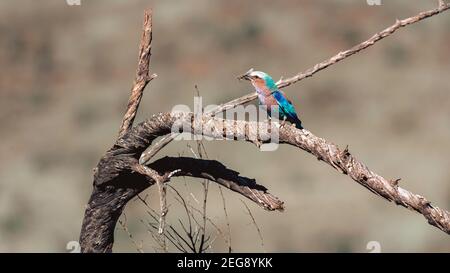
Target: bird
<point>274,99</point>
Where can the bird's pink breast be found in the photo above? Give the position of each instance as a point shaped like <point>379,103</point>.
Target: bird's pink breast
<point>264,94</point>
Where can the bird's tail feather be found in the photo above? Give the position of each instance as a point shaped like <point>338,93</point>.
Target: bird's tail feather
<point>298,123</point>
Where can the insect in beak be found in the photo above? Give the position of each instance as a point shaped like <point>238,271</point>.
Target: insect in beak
<point>246,75</point>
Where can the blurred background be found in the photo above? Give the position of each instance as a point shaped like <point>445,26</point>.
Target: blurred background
<point>66,72</point>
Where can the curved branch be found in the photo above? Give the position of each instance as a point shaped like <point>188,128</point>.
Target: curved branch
<point>341,160</point>
<point>217,172</point>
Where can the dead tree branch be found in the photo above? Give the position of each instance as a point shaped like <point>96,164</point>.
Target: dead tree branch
<point>142,77</point>
<point>341,160</point>
<point>336,58</point>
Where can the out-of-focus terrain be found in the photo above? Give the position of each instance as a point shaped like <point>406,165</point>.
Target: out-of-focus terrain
<point>65,77</point>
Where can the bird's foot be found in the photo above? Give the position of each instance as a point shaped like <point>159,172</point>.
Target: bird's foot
<point>283,122</point>
<point>258,143</point>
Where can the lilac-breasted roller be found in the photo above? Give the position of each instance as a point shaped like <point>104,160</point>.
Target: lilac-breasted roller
<point>270,96</point>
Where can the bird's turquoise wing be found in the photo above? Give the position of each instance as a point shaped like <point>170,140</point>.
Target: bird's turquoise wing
<point>285,105</point>
<point>287,110</point>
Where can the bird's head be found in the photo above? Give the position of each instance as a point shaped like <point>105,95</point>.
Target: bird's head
<point>258,78</point>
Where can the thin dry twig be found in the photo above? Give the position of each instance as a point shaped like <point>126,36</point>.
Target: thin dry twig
<point>190,233</point>
<point>261,238</point>
<point>213,224</point>
<point>282,83</point>
<point>160,182</point>
<point>224,206</point>
<point>174,239</point>
<point>205,199</point>
<point>200,149</point>
<point>155,235</point>
<point>124,226</point>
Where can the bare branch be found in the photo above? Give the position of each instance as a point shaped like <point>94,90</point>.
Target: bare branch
<point>375,38</point>
<point>217,172</point>
<point>282,83</point>
<point>142,77</point>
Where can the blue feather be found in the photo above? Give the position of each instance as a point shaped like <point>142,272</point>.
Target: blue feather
<point>287,110</point>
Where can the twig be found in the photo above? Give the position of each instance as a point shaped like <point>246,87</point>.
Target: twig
<point>125,228</point>
<point>189,214</point>
<point>255,224</point>
<point>205,184</point>
<point>282,83</point>
<point>375,38</point>
<point>142,77</point>
<point>160,182</point>
<point>224,206</point>
<point>219,231</point>
<point>173,238</point>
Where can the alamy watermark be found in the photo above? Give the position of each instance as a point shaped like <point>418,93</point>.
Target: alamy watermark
<point>73,247</point>
<point>374,247</point>
<point>373,2</point>
<point>73,2</point>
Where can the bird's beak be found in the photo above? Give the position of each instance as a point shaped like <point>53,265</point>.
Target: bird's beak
<point>246,75</point>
